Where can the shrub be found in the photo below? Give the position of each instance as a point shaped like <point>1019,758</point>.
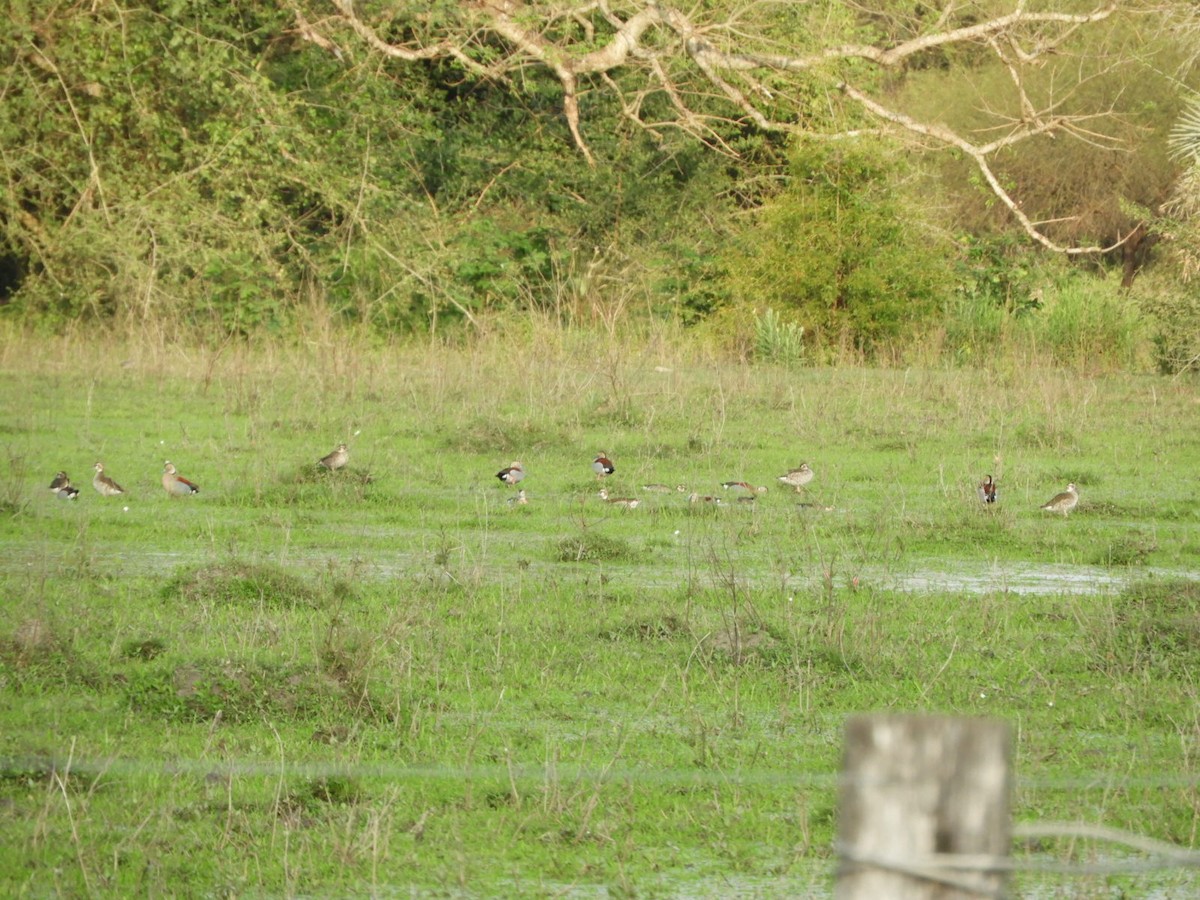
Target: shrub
<point>843,250</point>
<point>1174,309</point>
<point>1086,320</point>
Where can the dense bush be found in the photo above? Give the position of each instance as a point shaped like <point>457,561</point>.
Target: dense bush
<point>843,249</point>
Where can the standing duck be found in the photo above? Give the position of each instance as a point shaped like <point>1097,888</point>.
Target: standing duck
<point>798,477</point>
<point>602,465</point>
<point>513,474</point>
<point>987,490</point>
<point>1064,502</point>
<point>175,484</point>
<point>104,485</point>
<point>335,459</point>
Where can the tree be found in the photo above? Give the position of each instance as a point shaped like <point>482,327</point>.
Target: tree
<point>808,70</point>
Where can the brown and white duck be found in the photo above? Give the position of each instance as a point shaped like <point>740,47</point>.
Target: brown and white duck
<point>175,484</point>
<point>104,485</point>
<point>798,477</point>
<point>1064,502</point>
<point>602,465</point>
<point>336,458</point>
<point>512,474</point>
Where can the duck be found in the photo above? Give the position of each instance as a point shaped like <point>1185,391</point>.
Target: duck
<point>519,500</point>
<point>61,485</point>
<point>104,485</point>
<point>695,497</point>
<point>624,502</point>
<point>175,484</point>
<point>336,458</point>
<point>1064,502</point>
<point>663,488</point>
<point>798,477</point>
<point>512,474</point>
<point>744,487</point>
<point>987,490</point>
<point>602,465</point>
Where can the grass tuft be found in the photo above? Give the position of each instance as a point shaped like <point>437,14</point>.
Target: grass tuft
<point>234,690</point>
<point>593,548</point>
<point>241,582</point>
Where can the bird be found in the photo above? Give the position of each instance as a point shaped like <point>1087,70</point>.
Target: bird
<point>105,485</point>
<point>602,465</point>
<point>695,497</point>
<point>519,500</point>
<point>61,485</point>
<point>335,459</point>
<point>624,502</point>
<point>176,484</point>
<point>513,474</point>
<point>798,477</point>
<point>744,487</point>
<point>987,490</point>
<point>663,488</point>
<point>1064,502</point>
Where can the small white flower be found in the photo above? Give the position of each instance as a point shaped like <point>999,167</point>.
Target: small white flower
<point>127,509</point>
<point>982,695</point>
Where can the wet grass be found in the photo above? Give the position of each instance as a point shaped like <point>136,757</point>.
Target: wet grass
<point>389,679</point>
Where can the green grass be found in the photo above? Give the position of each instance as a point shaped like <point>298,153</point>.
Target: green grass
<point>388,679</point>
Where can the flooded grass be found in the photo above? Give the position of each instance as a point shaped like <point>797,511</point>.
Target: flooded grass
<point>390,680</point>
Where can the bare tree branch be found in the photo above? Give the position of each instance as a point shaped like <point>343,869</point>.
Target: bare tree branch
<point>693,64</point>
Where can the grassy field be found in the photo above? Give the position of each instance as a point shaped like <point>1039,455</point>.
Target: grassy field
<point>389,680</point>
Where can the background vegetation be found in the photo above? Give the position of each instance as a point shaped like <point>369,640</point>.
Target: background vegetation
<point>201,170</point>
<point>390,680</point>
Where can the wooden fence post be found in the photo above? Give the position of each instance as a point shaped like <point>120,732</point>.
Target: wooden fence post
<point>923,808</point>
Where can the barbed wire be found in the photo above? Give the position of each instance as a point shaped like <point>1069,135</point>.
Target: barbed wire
<point>710,774</point>
<point>970,873</point>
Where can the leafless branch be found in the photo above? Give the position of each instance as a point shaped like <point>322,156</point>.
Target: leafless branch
<point>697,66</point>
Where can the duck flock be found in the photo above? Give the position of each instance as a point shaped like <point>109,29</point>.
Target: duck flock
<point>797,478</point>
<point>514,474</point>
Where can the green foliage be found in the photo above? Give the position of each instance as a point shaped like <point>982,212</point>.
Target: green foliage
<point>1086,321</point>
<point>592,547</point>
<point>477,692</point>
<point>842,250</point>
<point>1174,309</point>
<point>776,341</point>
<point>1184,139</point>
<point>256,584</point>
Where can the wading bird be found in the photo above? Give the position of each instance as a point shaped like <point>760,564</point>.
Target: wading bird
<point>1064,502</point>
<point>623,502</point>
<point>602,465</point>
<point>336,459</point>
<point>663,488</point>
<point>104,485</point>
<point>744,487</point>
<point>175,484</point>
<point>798,477</point>
<point>61,485</point>
<point>987,490</point>
<point>513,474</point>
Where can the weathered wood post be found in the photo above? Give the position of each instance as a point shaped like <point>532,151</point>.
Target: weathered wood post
<point>923,808</point>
